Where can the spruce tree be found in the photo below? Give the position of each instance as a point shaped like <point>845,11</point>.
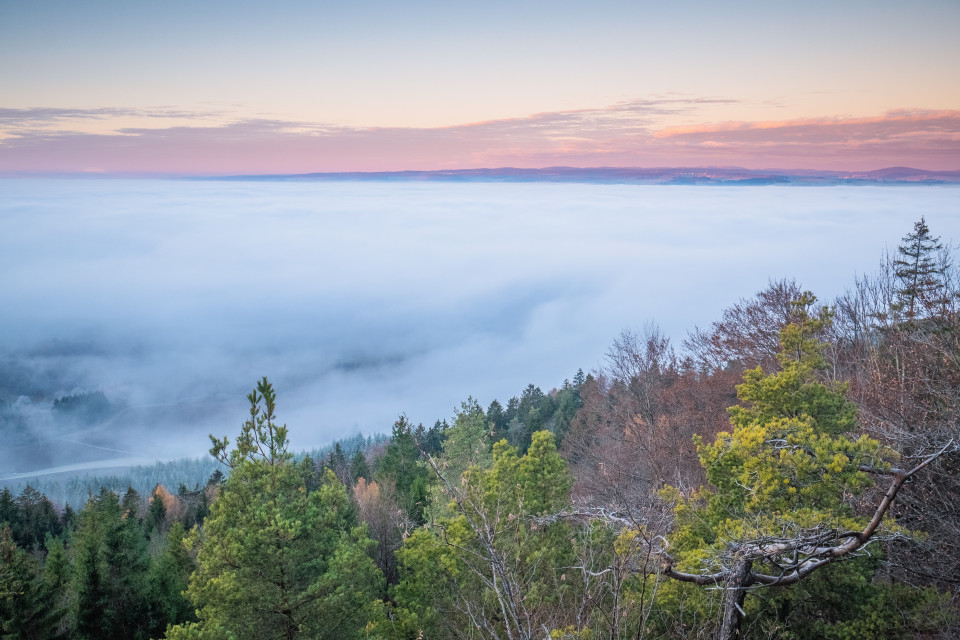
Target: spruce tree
<point>359,467</point>
<point>920,273</point>
<point>27,607</point>
<point>156,520</point>
<point>110,572</point>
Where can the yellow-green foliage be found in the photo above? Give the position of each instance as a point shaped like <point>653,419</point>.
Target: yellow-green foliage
<point>789,464</point>
<point>446,567</point>
<point>790,461</point>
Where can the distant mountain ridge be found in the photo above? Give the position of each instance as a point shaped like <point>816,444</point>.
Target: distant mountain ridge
<point>636,175</point>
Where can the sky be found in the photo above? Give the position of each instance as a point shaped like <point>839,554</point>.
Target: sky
<point>222,88</point>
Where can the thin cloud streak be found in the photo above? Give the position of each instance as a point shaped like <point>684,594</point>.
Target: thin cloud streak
<point>40,115</point>
<point>634,133</point>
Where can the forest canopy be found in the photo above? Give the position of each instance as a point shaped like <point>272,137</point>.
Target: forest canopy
<point>790,471</point>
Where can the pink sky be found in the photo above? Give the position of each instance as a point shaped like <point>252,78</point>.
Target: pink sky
<point>626,134</point>
<point>297,86</point>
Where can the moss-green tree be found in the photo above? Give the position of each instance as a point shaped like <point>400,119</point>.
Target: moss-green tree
<point>274,560</point>
<point>492,569</point>
<point>29,607</point>
<point>400,467</point>
<point>781,480</point>
<point>111,563</point>
<point>467,443</point>
<point>167,581</point>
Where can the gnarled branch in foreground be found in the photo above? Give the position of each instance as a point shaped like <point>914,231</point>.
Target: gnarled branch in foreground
<point>796,557</point>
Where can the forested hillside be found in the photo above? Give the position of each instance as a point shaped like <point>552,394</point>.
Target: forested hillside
<point>791,471</point>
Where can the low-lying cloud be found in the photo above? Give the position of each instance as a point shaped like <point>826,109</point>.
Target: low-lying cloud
<point>148,309</point>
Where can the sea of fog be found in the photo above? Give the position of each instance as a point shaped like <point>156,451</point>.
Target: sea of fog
<point>154,306</point>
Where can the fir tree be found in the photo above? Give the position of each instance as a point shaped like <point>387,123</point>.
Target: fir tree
<point>920,273</point>
<point>28,609</point>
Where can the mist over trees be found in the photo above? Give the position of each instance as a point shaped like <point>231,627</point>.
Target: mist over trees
<point>790,471</point>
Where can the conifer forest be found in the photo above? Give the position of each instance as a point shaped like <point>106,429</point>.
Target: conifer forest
<point>790,471</point>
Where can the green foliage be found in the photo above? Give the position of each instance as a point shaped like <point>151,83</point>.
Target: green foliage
<point>31,517</point>
<point>156,520</point>
<point>536,483</point>
<point>29,607</point>
<point>788,459</point>
<point>467,440</point>
<point>58,580</point>
<point>920,271</point>
<point>845,601</point>
<point>111,564</point>
<point>274,560</point>
<point>454,575</point>
<point>359,467</point>
<point>167,581</point>
<point>400,467</point>
<point>789,466</point>
<point>261,438</point>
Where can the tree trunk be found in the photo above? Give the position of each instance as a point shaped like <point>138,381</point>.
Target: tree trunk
<point>736,593</point>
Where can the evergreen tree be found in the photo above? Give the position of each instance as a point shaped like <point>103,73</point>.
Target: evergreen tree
<point>497,420</point>
<point>110,572</point>
<point>68,519</point>
<point>779,507</point>
<point>168,579</point>
<point>156,520</point>
<point>130,504</point>
<point>58,580</point>
<point>337,462</point>
<point>359,467</point>
<point>9,511</point>
<point>312,473</point>
<point>216,478</point>
<point>274,561</point>
<point>400,467</point>
<point>490,566</point>
<point>36,518</point>
<point>579,379</point>
<point>431,440</point>
<point>468,440</point>
<point>920,273</point>
<point>27,608</point>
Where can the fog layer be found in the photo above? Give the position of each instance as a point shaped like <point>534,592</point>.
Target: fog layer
<point>137,314</point>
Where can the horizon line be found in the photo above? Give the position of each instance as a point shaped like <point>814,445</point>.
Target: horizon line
<point>555,173</point>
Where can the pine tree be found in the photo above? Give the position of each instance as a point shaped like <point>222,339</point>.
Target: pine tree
<point>779,508</point>
<point>468,440</point>
<point>9,511</point>
<point>274,560</point>
<point>130,504</point>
